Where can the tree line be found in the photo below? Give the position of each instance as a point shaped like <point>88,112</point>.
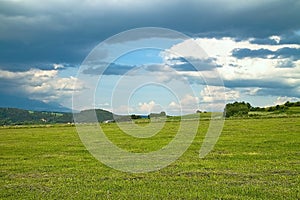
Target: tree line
<point>239,109</point>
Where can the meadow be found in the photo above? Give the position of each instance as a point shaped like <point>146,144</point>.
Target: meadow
<point>253,159</point>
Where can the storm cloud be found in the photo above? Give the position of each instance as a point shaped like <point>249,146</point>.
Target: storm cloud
<point>286,52</point>
<point>253,44</point>
<point>44,32</point>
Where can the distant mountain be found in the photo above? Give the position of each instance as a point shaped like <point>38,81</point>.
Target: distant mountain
<point>10,101</point>
<point>16,116</point>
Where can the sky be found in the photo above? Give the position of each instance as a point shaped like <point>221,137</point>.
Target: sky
<point>198,55</point>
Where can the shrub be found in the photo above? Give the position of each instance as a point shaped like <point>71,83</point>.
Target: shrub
<point>237,109</point>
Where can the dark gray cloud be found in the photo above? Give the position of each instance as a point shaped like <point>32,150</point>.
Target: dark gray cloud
<point>292,92</point>
<point>286,52</point>
<point>178,64</point>
<point>289,37</point>
<point>35,32</point>
<point>108,69</point>
<point>248,53</point>
<point>259,83</point>
<point>286,64</point>
<point>267,87</point>
<point>264,41</point>
<point>192,64</point>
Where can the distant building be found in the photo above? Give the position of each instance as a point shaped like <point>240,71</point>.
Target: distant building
<point>108,121</point>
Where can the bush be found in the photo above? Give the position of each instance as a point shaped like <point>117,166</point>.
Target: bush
<point>237,109</point>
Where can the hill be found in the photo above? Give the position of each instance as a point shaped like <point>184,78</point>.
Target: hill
<point>87,115</point>
<point>16,116</point>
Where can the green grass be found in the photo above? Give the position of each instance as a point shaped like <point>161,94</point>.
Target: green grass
<point>293,110</point>
<point>253,159</point>
<point>290,112</point>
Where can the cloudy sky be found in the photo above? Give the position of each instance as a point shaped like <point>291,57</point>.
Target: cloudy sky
<point>252,46</point>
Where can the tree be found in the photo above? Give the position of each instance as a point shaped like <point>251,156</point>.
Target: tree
<point>288,104</point>
<point>237,109</point>
<point>135,116</point>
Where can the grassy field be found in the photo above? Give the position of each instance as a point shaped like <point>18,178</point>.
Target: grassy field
<point>253,159</point>
<point>290,112</point>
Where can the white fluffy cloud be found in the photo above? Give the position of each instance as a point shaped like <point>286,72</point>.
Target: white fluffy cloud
<point>282,100</point>
<point>58,66</point>
<point>252,68</point>
<point>189,99</point>
<point>274,75</point>
<point>150,107</point>
<point>212,94</point>
<point>45,85</point>
<point>188,104</point>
